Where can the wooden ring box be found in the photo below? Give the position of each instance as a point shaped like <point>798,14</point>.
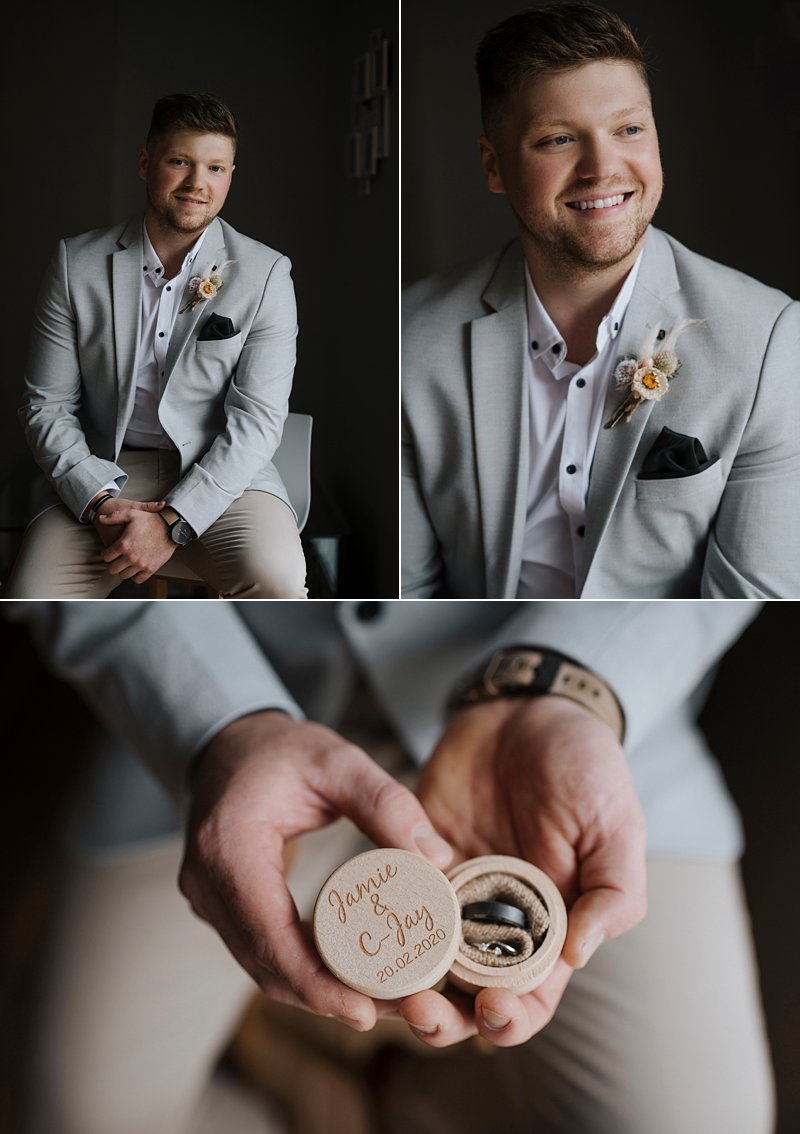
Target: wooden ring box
<point>388,924</point>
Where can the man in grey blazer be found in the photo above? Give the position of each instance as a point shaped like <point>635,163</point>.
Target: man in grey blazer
<point>157,387</point>
<point>534,465</point>
<point>649,1025</point>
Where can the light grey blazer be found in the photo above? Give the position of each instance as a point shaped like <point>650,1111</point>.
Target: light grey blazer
<point>731,530</point>
<point>164,677</point>
<point>224,401</point>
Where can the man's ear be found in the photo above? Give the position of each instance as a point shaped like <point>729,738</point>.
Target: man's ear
<point>490,165</point>
<point>144,160</point>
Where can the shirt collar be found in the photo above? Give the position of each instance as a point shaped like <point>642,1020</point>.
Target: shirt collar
<point>544,338</point>
<point>153,269</point>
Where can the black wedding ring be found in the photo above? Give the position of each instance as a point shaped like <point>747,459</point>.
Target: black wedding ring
<point>496,913</point>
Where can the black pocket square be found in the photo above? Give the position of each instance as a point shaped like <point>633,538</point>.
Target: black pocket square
<point>216,327</point>
<point>673,455</point>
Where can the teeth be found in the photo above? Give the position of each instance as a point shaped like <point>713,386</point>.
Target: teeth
<point>603,203</point>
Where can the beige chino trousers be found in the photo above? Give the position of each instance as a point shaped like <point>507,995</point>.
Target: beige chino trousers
<point>252,551</point>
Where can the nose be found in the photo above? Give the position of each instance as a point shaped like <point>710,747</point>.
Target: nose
<point>192,180</point>
<point>596,159</point>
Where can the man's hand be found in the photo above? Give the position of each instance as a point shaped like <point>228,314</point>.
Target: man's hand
<point>110,532</point>
<point>142,545</point>
<point>545,780</point>
<point>262,781</point>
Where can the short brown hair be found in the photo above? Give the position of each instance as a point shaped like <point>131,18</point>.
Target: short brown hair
<point>543,40</point>
<point>203,113</point>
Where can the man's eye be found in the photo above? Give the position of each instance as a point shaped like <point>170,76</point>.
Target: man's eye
<point>558,140</point>
<point>631,131</point>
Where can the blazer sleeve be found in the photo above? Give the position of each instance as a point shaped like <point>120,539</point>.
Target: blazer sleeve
<point>422,564</point>
<point>161,681</point>
<point>52,399</point>
<point>255,408</point>
<point>653,655</point>
<point>754,545</point>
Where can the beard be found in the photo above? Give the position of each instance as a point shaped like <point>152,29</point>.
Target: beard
<point>181,220</point>
<point>598,247</point>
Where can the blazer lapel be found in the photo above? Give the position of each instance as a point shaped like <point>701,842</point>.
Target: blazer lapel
<point>126,307</point>
<point>650,307</point>
<point>500,423</point>
<point>211,254</point>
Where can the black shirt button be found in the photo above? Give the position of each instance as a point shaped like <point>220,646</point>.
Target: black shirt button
<point>580,383</point>
<point>369,611</point>
<point>169,288</point>
<point>581,530</point>
<point>534,345</point>
<point>572,469</point>
<point>556,349</point>
<point>161,334</point>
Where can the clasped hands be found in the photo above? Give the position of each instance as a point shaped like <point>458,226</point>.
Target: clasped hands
<point>136,539</point>
<point>542,779</point>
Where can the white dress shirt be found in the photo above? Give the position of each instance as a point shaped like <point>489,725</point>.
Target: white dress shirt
<point>565,408</point>
<point>161,300</point>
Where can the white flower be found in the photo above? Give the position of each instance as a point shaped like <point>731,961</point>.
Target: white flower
<point>650,383</point>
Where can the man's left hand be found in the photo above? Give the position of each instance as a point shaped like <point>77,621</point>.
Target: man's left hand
<point>143,547</point>
<point>545,780</point>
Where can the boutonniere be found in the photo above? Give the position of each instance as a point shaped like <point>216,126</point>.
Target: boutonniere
<point>647,376</point>
<point>205,287</point>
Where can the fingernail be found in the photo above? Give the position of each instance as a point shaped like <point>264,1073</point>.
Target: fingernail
<point>433,846</point>
<point>424,1029</point>
<point>494,1020</point>
<point>356,1025</point>
<point>590,946</point>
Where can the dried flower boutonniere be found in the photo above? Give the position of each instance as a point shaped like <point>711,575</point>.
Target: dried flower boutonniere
<point>205,287</point>
<point>647,376</point>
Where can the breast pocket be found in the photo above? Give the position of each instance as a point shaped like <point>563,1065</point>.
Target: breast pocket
<point>670,523</point>
<point>681,491</point>
<point>212,365</point>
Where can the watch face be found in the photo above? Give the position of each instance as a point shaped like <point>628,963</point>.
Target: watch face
<point>181,532</point>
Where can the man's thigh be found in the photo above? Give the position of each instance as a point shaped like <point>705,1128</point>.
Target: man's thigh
<point>59,559</point>
<point>661,1033</point>
<point>252,551</point>
<point>137,999</point>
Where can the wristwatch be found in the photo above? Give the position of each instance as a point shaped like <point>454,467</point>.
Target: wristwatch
<point>527,671</point>
<point>180,530</point>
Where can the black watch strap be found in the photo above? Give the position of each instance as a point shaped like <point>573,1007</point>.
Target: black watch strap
<point>525,671</point>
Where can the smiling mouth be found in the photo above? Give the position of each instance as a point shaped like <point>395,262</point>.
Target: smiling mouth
<point>600,202</point>
<point>190,201</point>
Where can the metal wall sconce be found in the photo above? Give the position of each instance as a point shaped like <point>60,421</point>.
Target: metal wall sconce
<point>369,139</point>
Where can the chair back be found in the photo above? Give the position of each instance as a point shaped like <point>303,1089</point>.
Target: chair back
<point>292,459</point>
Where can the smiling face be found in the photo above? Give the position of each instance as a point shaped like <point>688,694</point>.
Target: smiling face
<point>187,177</point>
<point>576,153</point>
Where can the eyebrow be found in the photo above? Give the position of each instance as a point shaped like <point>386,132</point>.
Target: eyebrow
<point>211,161</point>
<point>538,123</point>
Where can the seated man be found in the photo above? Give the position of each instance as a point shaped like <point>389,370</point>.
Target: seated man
<point>158,383</point>
<point>552,446</point>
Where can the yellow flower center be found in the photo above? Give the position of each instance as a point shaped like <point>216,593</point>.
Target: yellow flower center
<point>649,380</point>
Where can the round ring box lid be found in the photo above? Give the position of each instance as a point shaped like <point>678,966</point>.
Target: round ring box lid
<point>470,975</point>
<point>388,924</point>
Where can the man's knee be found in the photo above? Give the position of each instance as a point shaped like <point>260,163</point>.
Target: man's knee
<point>272,572</point>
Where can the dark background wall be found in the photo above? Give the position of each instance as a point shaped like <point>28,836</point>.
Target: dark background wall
<point>726,92</point>
<point>82,79</point>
